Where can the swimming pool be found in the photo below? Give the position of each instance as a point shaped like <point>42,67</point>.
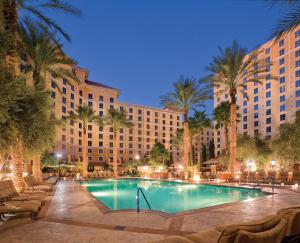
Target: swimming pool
<point>165,196</point>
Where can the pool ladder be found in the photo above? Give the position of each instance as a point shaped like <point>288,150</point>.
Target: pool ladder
<point>139,189</point>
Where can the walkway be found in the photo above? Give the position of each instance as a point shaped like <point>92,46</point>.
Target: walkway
<point>74,216</point>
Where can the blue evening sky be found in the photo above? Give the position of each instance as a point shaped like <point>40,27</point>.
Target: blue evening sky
<point>143,46</point>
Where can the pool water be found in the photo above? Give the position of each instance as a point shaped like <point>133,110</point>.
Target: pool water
<point>165,196</point>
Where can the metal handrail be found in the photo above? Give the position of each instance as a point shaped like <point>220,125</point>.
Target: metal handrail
<point>139,189</point>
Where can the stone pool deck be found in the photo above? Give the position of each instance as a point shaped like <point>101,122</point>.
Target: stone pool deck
<point>73,215</point>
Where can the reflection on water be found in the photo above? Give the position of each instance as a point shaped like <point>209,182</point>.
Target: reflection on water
<point>170,197</point>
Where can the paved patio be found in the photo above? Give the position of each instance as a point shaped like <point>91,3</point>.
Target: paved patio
<point>74,216</point>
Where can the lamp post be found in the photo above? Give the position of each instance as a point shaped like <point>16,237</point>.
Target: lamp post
<point>58,155</point>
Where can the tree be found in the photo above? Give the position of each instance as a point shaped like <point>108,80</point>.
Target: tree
<point>200,121</point>
<point>84,115</point>
<point>187,95</point>
<point>289,21</point>
<point>247,148</point>
<point>159,153</point>
<point>230,72</point>
<point>14,12</point>
<point>116,120</point>
<point>177,140</point>
<point>222,119</point>
<point>211,149</point>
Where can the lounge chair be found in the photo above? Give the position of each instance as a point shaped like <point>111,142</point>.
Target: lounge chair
<point>19,207</point>
<point>32,184</point>
<point>292,216</point>
<point>271,229</point>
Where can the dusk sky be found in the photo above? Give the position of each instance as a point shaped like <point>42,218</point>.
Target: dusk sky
<point>142,46</point>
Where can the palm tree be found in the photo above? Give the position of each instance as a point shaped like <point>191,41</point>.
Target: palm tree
<point>84,115</point>
<point>290,21</point>
<point>177,140</point>
<point>44,56</point>
<point>187,94</point>
<point>230,72</point>
<point>222,118</point>
<point>159,153</point>
<point>14,12</point>
<point>200,121</point>
<point>116,120</point>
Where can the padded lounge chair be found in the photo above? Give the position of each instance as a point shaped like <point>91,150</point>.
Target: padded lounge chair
<point>19,207</point>
<point>32,184</point>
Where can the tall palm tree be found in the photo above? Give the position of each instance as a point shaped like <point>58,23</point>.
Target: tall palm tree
<point>187,95</point>
<point>200,121</point>
<point>231,71</point>
<point>84,115</point>
<point>222,119</point>
<point>44,57</point>
<point>116,120</point>
<point>177,140</point>
<point>289,21</point>
<point>14,12</point>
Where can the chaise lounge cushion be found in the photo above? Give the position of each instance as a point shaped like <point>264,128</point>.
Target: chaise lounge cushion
<point>292,216</point>
<point>274,235</point>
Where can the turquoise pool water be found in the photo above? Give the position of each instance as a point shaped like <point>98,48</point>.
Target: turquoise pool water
<point>169,197</point>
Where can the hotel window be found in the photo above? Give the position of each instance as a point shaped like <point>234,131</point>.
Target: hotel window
<point>245,103</point>
<point>297,33</point>
<point>297,43</point>
<point>282,98</point>
<point>130,117</point>
<point>297,63</point>
<point>282,117</point>
<point>256,107</point>
<point>148,119</point>
<point>101,98</point>
<point>64,90</point>
<point>268,68</point>
<point>111,100</point>
<point>139,139</point>
<point>267,59</point>
<point>255,98</point>
<point>139,125</point>
<point>297,53</point>
<point>111,144</point>
<point>90,143</point>
<point>139,118</point>
<point>245,110</point>
<point>64,81</point>
<point>111,107</point>
<point>156,127</point>
<point>268,120</point>
<point>111,129</point>
<point>282,70</point>
<point>164,128</point>
<point>178,118</point>
<point>268,103</point>
<point>100,158</point>
<point>297,103</point>
<point>281,61</point>
<point>256,131</point>
<point>90,127</point>
<point>268,94</point>
<point>140,112</point>
<point>282,89</point>
<point>255,115</point>
<point>80,101</point>
<point>72,96</point>
<point>245,118</point>
<point>156,114</point>
<point>101,106</point>
<point>90,103</point>
<point>148,113</point>
<point>63,109</point>
<point>268,77</point>
<point>281,52</point>
<point>268,112</point>
<point>282,79</point>
<point>139,132</point>
<point>90,96</point>
<point>256,123</point>
<point>156,134</point>
<point>298,83</point>
<point>298,93</point>
<point>267,51</point>
<point>100,136</point>
<point>64,100</point>
<point>111,137</point>
<point>245,126</point>
<point>121,108</point>
<point>156,121</point>
<point>100,113</point>
<point>255,91</point>
<point>72,105</point>
<point>130,146</point>
<point>90,151</point>
<point>281,42</point>
<point>268,129</point>
<point>53,84</point>
<point>53,95</point>
<point>171,116</point>
<point>297,73</point>
<point>130,110</point>
<point>80,133</point>
<point>282,108</point>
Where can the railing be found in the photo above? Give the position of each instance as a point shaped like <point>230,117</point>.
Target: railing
<point>139,189</point>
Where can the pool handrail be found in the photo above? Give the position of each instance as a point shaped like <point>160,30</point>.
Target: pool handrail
<point>139,189</point>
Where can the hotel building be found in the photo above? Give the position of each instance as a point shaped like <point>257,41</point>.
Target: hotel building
<point>274,101</point>
<point>150,124</point>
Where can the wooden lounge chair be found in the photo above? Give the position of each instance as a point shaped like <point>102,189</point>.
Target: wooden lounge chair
<point>32,184</point>
<point>19,207</point>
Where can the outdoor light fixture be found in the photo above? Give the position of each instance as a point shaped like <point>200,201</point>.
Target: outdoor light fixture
<point>251,165</point>
<point>58,155</point>
<point>273,163</point>
<point>137,157</point>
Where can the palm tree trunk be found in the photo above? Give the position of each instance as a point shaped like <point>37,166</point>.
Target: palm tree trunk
<point>199,150</point>
<point>186,143</point>
<point>191,158</point>
<point>17,157</point>
<point>10,17</point>
<point>84,153</point>
<point>226,138</point>
<point>233,135</point>
<point>36,168</point>
<point>115,155</point>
